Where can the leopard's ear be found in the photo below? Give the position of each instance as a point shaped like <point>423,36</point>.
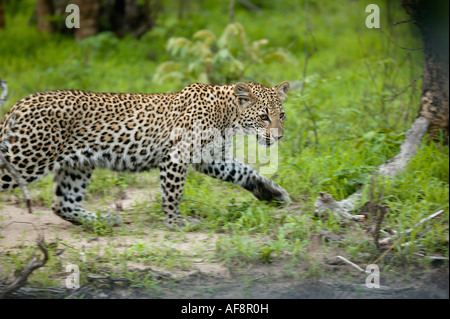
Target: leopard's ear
<point>243,93</point>
<point>282,90</point>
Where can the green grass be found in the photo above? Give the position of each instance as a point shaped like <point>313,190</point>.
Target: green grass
<point>349,82</point>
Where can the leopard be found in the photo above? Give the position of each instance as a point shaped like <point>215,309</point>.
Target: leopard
<point>70,133</point>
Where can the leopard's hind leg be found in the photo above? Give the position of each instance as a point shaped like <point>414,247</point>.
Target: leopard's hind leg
<point>71,186</point>
<point>6,180</point>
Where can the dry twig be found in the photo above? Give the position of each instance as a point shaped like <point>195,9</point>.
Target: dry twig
<point>397,45</point>
<point>351,264</point>
<point>34,264</point>
<point>398,236</point>
<point>413,82</point>
<point>422,221</point>
<point>403,21</point>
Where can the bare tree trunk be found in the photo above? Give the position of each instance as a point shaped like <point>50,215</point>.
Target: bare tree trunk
<point>89,18</point>
<point>183,6</point>
<point>45,10</point>
<point>122,17</point>
<point>2,15</point>
<point>433,21</point>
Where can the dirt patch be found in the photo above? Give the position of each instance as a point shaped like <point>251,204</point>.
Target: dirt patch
<point>203,276</point>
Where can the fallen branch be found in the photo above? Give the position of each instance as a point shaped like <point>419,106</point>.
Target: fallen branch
<point>395,235</point>
<point>34,264</point>
<point>352,264</point>
<point>422,221</point>
<point>440,258</point>
<point>332,237</point>
<point>398,236</point>
<point>326,203</point>
<point>408,149</point>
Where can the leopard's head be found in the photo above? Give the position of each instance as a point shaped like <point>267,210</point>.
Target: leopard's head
<point>261,112</point>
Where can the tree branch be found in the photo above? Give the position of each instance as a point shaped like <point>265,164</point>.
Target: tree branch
<point>404,21</point>
<point>250,5</point>
<point>408,149</point>
<point>391,168</point>
<point>406,88</point>
<point>399,46</point>
<point>34,264</point>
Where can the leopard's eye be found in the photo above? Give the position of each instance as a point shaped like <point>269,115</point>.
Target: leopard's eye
<point>264,117</point>
<point>282,115</point>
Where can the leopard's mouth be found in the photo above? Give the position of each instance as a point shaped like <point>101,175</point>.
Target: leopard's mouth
<point>265,140</point>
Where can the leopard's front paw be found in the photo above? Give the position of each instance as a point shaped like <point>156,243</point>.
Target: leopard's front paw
<point>111,219</point>
<point>281,197</point>
<point>181,222</point>
<point>82,217</point>
<point>266,190</point>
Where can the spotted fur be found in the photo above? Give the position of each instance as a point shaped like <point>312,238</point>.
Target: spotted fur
<point>69,133</point>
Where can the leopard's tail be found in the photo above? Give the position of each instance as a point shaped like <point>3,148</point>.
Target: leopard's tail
<point>7,181</point>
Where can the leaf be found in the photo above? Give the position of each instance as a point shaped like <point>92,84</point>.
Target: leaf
<point>256,47</point>
<point>203,78</point>
<point>233,36</point>
<point>205,51</point>
<point>168,66</point>
<point>222,55</point>
<point>178,45</point>
<point>168,71</point>
<point>205,34</point>
<point>279,56</point>
<point>170,77</point>
<point>369,135</point>
<point>194,67</point>
<point>235,66</point>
